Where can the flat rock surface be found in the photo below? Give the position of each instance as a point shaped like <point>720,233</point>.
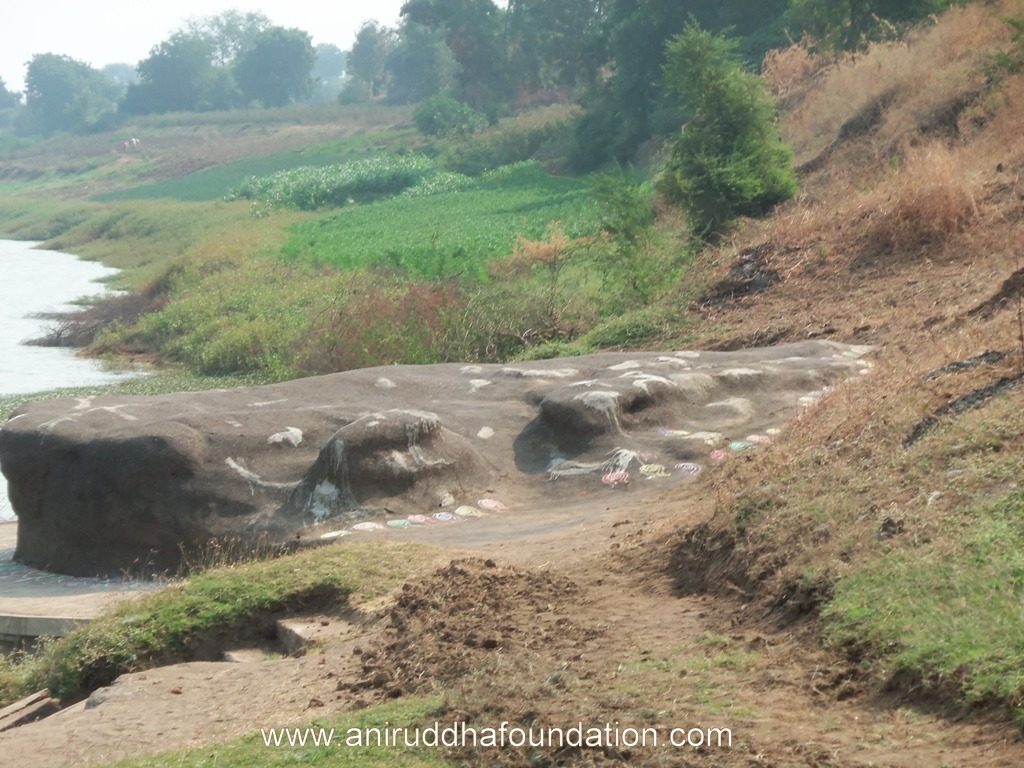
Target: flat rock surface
<point>112,484</point>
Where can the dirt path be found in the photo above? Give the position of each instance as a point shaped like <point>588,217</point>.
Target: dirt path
<point>557,627</point>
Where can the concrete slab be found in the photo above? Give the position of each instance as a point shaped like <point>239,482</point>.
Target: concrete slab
<point>35,603</point>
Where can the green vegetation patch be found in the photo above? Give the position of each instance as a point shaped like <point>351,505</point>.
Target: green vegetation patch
<point>215,182</point>
<point>309,188</point>
<point>947,618</point>
<point>252,750</point>
<point>453,233</point>
<point>186,620</point>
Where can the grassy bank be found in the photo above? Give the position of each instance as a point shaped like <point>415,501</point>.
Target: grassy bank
<point>205,615</point>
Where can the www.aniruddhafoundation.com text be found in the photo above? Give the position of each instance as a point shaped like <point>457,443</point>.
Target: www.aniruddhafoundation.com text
<point>502,736</point>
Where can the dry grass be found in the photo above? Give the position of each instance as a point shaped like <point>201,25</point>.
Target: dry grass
<point>926,78</point>
<point>929,200</point>
<point>790,72</point>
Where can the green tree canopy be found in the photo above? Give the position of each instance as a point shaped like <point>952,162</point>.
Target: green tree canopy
<point>179,75</point>
<point>474,32</point>
<point>368,59</point>
<point>849,24</point>
<point>729,159</point>
<point>229,33</point>
<point>63,94</point>
<point>556,43</point>
<point>632,106</point>
<point>420,64</point>
<point>8,98</point>
<point>330,63</point>
<point>276,68</point>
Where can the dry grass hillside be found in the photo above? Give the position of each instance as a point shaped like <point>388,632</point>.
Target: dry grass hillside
<point>894,508</point>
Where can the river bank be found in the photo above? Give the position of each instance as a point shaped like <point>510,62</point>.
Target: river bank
<point>37,284</point>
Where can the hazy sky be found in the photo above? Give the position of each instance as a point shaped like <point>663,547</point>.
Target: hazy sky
<point>102,32</point>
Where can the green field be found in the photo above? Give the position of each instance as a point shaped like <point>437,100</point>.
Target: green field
<point>217,181</point>
<point>451,233</point>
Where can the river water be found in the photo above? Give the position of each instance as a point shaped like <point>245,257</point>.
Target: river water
<point>35,281</point>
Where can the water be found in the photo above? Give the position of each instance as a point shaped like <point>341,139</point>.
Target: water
<point>34,281</point>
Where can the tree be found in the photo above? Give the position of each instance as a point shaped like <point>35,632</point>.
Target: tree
<point>330,63</point>
<point>121,74</point>
<point>229,33</point>
<point>846,24</point>
<point>63,94</point>
<point>474,32</point>
<point>420,64</point>
<point>729,159</point>
<point>631,107</point>
<point>275,69</point>
<point>556,43</point>
<point>8,98</point>
<point>179,75</point>
<point>367,61</point>
<point>328,73</point>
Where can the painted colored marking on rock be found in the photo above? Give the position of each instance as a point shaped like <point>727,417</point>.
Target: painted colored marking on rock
<point>615,479</point>
<point>421,520</point>
<point>367,526</point>
<point>491,505</point>
<point>653,471</point>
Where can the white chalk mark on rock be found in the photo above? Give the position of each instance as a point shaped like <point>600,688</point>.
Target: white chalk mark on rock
<point>252,478</point>
<point>288,436</point>
<point>384,383</point>
<point>265,403</point>
<point>535,373</point>
<point>476,385</point>
<point>485,433</point>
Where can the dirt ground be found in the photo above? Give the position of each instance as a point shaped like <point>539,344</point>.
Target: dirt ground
<point>584,623</point>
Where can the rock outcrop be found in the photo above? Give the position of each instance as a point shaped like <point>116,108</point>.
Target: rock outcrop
<point>108,483</point>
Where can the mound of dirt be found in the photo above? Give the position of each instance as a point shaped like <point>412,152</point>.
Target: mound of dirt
<point>451,623</point>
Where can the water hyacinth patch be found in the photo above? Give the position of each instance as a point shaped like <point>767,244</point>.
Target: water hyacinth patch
<point>310,188</point>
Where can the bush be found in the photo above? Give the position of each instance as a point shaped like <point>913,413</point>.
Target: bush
<point>444,115</point>
<point>730,159</point>
<point>512,144</point>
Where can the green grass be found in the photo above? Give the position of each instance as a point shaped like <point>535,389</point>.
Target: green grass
<point>216,182</point>
<point>448,234</point>
<point>251,751</point>
<point>215,607</point>
<point>948,618</point>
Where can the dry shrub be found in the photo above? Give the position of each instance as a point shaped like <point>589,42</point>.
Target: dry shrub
<point>789,71</point>
<point>551,252</point>
<point>922,82</point>
<point>373,322</point>
<point>930,199</point>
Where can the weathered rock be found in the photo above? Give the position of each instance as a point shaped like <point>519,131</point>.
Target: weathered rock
<point>110,483</point>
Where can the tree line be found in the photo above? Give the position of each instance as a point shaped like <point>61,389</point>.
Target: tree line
<point>475,59</point>
<point>230,60</point>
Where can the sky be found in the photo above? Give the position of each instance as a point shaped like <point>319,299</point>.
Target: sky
<point>101,32</point>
